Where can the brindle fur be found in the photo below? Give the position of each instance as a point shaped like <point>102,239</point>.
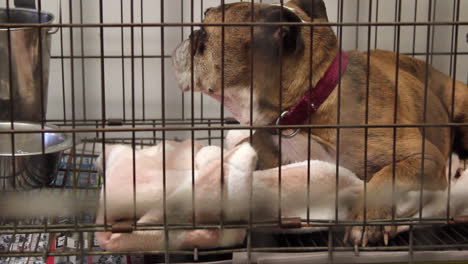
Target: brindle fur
<point>378,81</point>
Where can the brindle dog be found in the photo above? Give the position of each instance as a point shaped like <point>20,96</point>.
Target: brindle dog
<point>369,94</point>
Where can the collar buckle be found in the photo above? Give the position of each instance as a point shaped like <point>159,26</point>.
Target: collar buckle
<point>279,131</point>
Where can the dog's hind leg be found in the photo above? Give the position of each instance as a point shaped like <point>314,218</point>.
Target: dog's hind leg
<point>409,176</point>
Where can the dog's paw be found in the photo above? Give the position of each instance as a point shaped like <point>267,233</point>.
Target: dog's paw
<point>235,137</point>
<point>99,162</point>
<point>207,155</point>
<point>370,234</point>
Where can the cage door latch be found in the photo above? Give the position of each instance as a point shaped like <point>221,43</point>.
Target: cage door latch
<point>291,223</point>
<point>122,227</point>
<point>115,122</point>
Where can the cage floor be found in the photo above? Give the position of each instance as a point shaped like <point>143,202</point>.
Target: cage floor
<point>71,240</point>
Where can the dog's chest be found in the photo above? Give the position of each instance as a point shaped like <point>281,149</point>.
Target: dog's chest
<point>296,149</point>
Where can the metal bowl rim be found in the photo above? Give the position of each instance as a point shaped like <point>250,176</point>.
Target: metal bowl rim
<point>66,144</point>
<point>50,22</point>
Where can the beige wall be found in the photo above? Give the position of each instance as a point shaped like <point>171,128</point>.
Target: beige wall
<point>152,46</point>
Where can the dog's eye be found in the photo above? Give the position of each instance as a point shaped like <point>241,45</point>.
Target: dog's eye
<point>203,34</point>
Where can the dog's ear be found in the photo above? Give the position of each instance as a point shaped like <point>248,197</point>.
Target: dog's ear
<point>271,38</point>
<point>315,9</point>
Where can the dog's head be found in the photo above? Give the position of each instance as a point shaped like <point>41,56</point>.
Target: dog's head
<point>253,55</point>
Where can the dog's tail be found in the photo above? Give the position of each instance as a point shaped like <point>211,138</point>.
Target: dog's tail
<point>460,144</point>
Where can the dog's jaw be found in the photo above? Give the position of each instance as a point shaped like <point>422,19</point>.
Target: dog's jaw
<point>238,102</point>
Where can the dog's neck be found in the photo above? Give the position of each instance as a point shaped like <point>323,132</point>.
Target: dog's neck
<point>313,98</point>
<point>305,70</point>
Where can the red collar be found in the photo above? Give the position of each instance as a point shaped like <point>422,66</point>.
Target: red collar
<point>312,100</point>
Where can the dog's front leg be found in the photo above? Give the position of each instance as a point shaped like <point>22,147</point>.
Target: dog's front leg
<point>382,192</point>
<point>267,151</point>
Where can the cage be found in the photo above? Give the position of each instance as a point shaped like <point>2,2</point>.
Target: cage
<point>112,81</point>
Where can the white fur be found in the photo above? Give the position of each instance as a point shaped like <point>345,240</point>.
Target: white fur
<point>237,101</point>
<point>294,203</point>
<point>234,137</point>
<point>296,149</point>
<point>231,237</point>
<point>241,176</point>
<point>241,166</point>
<point>455,165</point>
<point>206,155</point>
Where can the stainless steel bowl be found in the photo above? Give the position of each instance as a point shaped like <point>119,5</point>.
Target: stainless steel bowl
<point>34,164</point>
<point>24,65</point>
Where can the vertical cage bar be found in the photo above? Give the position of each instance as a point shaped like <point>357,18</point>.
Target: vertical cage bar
<point>103,109</point>
<point>454,48</point>
<point>280,107</point>
<point>358,16</point>
<point>330,245</point>
<point>366,117</point>
<point>41,78</point>
<point>132,86</point>
<point>122,47</point>
<point>209,132</point>
<point>426,88</point>
<point>182,40</point>
<point>414,27</point>
<point>338,116</point>
<point>395,27</point>
<point>432,43</point>
<point>202,116</point>
<point>223,87</point>
<point>411,245</point>
<point>154,132</point>
<point>62,68</point>
<point>377,26</point>
<point>192,110</point>
<point>251,118</point>
<point>366,130</point>
<point>163,121</point>
<point>395,110</point>
<point>309,131</point>
<point>454,12</point>
<point>72,86</point>
<point>143,100</point>
<point>12,101</point>
<point>83,72</point>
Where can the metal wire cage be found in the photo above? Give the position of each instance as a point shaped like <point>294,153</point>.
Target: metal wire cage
<point>111,82</point>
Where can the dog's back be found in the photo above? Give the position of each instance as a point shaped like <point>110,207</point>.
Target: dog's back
<point>442,86</point>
